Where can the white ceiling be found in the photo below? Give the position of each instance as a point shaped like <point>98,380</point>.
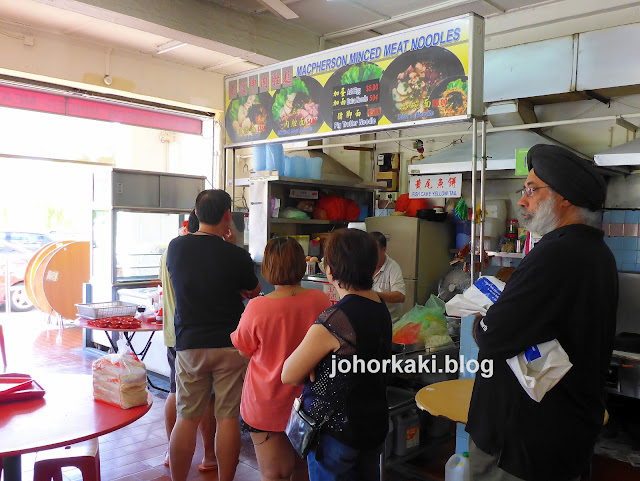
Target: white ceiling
<point>508,22</point>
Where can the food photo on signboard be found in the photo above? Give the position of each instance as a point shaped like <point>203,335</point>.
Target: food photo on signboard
<point>296,108</point>
<point>249,117</point>
<point>410,81</point>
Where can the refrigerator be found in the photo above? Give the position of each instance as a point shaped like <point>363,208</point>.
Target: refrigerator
<point>421,248</point>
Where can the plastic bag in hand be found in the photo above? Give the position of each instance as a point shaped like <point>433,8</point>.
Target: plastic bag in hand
<point>540,367</point>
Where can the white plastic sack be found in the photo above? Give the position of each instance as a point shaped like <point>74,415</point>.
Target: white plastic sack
<point>485,291</point>
<point>120,379</point>
<point>477,298</point>
<point>540,367</point>
<point>460,306</point>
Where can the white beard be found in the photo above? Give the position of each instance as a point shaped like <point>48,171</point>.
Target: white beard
<point>543,221</point>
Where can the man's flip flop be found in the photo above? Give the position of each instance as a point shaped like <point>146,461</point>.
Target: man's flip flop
<point>204,469</point>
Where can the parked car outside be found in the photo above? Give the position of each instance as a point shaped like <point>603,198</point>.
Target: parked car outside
<point>17,248</point>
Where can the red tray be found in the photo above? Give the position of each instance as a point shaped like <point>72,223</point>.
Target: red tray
<point>13,382</point>
<point>30,389</point>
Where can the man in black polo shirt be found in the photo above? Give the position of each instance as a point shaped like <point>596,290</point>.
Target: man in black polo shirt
<point>210,277</point>
<point>566,288</point>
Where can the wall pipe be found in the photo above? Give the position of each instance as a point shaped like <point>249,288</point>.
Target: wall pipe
<point>474,195</point>
<point>483,167</point>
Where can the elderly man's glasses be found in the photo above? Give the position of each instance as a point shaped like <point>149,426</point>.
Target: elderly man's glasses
<point>528,191</point>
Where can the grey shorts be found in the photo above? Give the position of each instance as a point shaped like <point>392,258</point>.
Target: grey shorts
<point>200,372</point>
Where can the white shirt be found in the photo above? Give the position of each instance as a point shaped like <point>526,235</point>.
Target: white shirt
<point>389,279</point>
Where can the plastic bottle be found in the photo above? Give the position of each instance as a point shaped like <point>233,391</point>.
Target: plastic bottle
<point>457,468</point>
<point>246,229</point>
<point>512,228</point>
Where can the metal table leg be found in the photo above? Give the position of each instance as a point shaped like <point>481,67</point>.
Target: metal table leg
<point>12,467</point>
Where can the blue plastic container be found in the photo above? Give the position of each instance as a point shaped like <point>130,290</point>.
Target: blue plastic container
<point>314,168</point>
<point>288,166</point>
<point>463,233</point>
<point>364,212</point>
<point>259,157</point>
<point>299,167</point>
<point>275,158</point>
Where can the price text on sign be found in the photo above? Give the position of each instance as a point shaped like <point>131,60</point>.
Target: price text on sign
<point>424,186</point>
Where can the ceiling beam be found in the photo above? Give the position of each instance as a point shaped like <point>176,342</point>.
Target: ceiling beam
<point>258,38</point>
<point>442,5</point>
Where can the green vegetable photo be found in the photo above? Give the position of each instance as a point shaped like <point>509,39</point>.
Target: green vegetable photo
<point>361,73</point>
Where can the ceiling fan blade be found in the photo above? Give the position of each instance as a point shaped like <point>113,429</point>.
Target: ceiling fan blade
<point>279,8</point>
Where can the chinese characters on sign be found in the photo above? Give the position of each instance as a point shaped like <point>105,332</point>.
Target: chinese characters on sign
<point>233,89</point>
<point>276,79</point>
<point>242,87</point>
<point>444,185</point>
<point>287,76</point>
<point>264,82</point>
<point>253,85</point>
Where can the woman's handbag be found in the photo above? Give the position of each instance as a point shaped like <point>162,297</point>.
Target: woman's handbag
<point>302,430</point>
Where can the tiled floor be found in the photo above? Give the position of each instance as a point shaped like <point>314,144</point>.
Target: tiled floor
<point>136,452</point>
<point>133,453</point>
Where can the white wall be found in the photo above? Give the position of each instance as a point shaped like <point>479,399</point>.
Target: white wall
<point>81,64</point>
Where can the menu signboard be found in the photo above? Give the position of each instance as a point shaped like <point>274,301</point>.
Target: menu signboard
<point>444,185</point>
<point>427,74</point>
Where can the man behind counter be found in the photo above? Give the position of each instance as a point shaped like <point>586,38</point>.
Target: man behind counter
<point>566,288</point>
<point>387,279</point>
<point>210,278</point>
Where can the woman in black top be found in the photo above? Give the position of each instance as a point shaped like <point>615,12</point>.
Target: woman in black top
<point>341,361</point>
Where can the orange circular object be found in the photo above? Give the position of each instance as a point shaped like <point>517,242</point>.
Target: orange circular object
<point>30,272</point>
<point>38,283</point>
<point>64,274</point>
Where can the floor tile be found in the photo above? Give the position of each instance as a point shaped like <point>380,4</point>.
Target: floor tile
<point>136,452</point>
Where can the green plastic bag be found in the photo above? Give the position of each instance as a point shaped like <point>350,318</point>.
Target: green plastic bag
<point>292,213</point>
<point>433,331</point>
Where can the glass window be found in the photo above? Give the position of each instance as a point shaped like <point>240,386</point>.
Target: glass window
<point>141,239</point>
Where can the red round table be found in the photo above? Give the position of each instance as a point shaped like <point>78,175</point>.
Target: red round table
<point>146,326</point>
<point>67,414</point>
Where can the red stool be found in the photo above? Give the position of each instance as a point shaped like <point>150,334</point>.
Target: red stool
<point>85,456</point>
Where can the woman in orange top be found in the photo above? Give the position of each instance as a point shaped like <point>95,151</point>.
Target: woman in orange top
<point>270,329</point>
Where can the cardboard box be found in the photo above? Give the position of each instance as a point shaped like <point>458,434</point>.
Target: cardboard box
<point>390,178</point>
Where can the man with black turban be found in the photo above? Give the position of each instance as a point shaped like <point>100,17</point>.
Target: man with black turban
<point>566,288</point>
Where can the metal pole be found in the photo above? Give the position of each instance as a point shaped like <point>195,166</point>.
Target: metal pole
<point>7,286</point>
<point>214,175</point>
<point>474,167</point>
<point>224,168</point>
<point>373,160</point>
<point>483,166</point>
<point>233,179</point>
